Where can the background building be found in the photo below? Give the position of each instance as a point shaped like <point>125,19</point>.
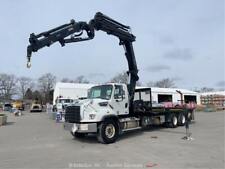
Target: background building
<point>159,95</point>
<point>216,99</point>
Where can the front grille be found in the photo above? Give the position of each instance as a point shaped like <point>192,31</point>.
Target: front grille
<point>72,114</point>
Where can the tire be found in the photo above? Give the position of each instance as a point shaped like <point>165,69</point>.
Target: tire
<point>173,121</point>
<point>189,115</point>
<point>78,135</point>
<point>181,119</point>
<point>108,132</point>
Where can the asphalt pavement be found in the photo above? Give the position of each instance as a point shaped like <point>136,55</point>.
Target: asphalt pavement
<point>34,141</point>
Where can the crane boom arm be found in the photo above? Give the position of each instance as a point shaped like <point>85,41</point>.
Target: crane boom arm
<point>75,30</point>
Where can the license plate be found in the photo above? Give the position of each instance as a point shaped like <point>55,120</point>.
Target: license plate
<point>84,127</point>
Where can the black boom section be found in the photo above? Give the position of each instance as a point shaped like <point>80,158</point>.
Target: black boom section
<point>110,26</point>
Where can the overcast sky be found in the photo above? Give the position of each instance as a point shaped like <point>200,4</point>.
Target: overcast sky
<point>179,39</point>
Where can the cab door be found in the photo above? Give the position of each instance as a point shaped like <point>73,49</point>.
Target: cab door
<point>120,100</point>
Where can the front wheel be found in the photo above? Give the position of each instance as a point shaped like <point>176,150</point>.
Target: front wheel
<point>181,119</point>
<point>108,132</point>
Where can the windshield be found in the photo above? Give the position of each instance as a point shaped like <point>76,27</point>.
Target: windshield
<point>102,92</point>
<point>8,105</point>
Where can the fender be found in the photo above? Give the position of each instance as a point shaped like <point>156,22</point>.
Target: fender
<point>111,116</point>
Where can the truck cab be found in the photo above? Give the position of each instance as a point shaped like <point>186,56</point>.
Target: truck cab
<point>103,100</point>
<point>107,101</point>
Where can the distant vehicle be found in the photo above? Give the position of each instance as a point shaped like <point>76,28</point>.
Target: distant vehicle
<point>70,90</point>
<point>7,107</point>
<point>62,103</point>
<point>18,105</point>
<point>35,107</point>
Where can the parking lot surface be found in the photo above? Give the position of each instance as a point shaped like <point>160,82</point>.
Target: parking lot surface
<point>35,141</point>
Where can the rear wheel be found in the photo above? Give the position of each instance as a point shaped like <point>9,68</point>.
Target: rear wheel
<point>189,115</point>
<point>181,119</point>
<point>173,121</point>
<point>108,132</point>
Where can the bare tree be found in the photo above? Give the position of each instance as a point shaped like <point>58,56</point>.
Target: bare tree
<point>81,79</point>
<point>7,86</point>
<point>164,83</point>
<point>206,89</point>
<point>123,78</point>
<point>24,83</point>
<point>46,84</point>
<point>29,94</point>
<point>150,84</point>
<point>36,95</point>
<point>67,80</point>
<point>120,78</point>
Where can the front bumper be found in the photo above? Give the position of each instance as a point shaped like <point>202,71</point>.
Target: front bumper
<point>81,127</point>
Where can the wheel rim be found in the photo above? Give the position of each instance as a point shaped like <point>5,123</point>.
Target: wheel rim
<point>183,120</point>
<point>110,131</point>
<point>174,121</point>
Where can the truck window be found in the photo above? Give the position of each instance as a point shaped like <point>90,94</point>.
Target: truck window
<point>96,93</point>
<point>103,92</point>
<point>119,92</point>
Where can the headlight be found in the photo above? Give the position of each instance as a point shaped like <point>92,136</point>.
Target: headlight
<point>92,116</point>
<point>103,104</point>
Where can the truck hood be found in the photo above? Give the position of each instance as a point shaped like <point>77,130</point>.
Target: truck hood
<point>90,105</point>
<point>91,101</point>
<point>94,107</point>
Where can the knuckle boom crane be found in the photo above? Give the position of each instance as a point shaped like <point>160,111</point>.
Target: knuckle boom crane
<point>100,22</point>
<point>109,109</point>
